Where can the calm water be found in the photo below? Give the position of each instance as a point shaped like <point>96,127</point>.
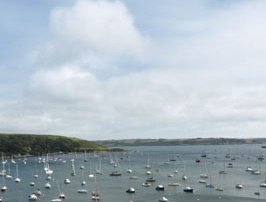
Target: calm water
<point>136,158</point>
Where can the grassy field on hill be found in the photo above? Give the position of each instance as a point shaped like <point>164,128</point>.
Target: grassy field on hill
<point>39,144</point>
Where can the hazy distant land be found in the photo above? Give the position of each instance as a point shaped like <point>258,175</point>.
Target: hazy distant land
<point>180,142</point>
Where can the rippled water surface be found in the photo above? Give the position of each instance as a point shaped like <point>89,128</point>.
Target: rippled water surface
<point>163,160</point>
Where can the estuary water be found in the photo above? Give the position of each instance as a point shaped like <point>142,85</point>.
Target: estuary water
<point>165,161</point>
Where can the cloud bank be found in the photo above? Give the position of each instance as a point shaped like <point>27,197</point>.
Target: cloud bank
<point>100,77</point>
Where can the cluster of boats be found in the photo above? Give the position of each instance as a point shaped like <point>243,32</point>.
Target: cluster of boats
<point>115,171</point>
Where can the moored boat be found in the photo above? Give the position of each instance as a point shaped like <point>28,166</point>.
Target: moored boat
<point>188,189</point>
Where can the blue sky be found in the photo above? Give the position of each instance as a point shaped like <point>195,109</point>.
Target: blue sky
<point>123,69</point>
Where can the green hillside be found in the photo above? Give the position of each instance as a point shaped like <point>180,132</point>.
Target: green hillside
<point>40,144</point>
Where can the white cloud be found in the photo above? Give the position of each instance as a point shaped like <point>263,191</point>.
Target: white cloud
<point>209,82</point>
<point>67,84</point>
<point>101,25</point>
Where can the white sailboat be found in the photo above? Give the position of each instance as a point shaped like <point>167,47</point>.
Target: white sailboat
<point>8,175</point>
<point>73,173</point>
<point>148,166</point>
<point>85,156</point>
<point>4,187</point>
<point>3,171</point>
<point>99,170</point>
<point>17,180</point>
<point>47,169</point>
<point>83,183</point>
<point>96,195</point>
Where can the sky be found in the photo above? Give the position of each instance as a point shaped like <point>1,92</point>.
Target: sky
<point>120,69</point>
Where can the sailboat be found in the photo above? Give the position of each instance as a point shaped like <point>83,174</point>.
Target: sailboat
<point>12,160</point>
<point>99,170</point>
<point>116,172</point>
<point>85,156</point>
<point>83,183</point>
<point>17,180</point>
<point>224,171</point>
<point>47,169</point>
<point>96,195</point>
<point>61,194</point>
<point>73,173</point>
<point>9,176</point>
<point>129,170</point>
<point>3,171</point>
<point>148,166</point>
<point>4,187</point>
<point>36,173</point>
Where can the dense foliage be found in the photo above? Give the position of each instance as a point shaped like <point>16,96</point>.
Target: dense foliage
<point>40,144</point>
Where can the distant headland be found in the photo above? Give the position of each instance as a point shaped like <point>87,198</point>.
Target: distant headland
<point>180,142</point>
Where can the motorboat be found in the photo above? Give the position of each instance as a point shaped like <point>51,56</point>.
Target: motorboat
<point>148,172</point>
<point>62,196</point>
<point>129,171</point>
<point>131,190</point>
<point>47,185</point>
<point>219,188</point>
<point>202,181</point>
<point>163,199</point>
<point>223,172</point>
<point>32,197</point>
<point>249,169</point>
<point>115,173</point>
<point>160,188</point>
<point>209,185</point>
<point>133,177</point>
<point>188,189</point>
<point>67,181</point>
<point>205,176</point>
<point>4,188</point>
<point>239,186</point>
<point>263,185</point>
<point>32,184</point>
<point>146,184</point>
<point>255,172</point>
<point>184,177</point>
<point>151,179</point>
<point>82,191</point>
<point>257,193</point>
<point>173,183</point>
<point>9,177</point>
<point>56,200</point>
